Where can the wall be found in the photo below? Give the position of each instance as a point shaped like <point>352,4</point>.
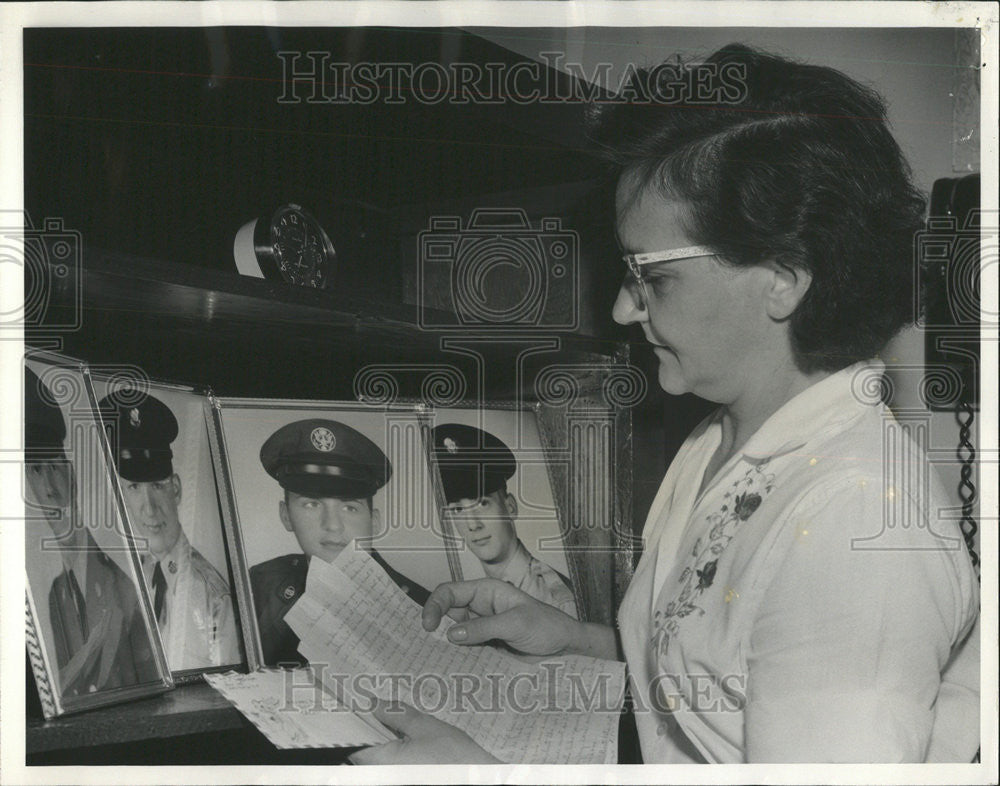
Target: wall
<point>912,68</point>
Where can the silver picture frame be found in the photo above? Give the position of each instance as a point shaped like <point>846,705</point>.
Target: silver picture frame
<point>200,627</point>
<point>91,638</point>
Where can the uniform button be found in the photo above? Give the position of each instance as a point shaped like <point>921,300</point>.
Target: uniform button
<point>92,689</point>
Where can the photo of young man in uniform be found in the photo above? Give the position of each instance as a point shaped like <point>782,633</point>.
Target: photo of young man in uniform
<point>98,637</point>
<point>475,466</point>
<point>328,473</point>
<point>192,601</point>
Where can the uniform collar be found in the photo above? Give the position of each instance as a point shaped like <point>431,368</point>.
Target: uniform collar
<point>828,404</point>
<point>515,567</point>
<point>171,562</point>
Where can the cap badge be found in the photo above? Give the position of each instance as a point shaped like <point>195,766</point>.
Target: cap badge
<point>322,439</point>
<point>133,418</point>
<point>450,445</point>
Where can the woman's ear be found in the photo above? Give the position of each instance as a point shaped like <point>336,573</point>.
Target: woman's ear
<point>786,287</point>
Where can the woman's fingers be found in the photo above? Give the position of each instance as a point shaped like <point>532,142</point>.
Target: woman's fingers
<point>508,627</point>
<point>426,740</point>
<point>480,596</point>
<point>388,753</point>
<point>401,718</point>
<point>504,613</point>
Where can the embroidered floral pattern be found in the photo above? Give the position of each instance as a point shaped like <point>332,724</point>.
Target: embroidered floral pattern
<point>740,502</point>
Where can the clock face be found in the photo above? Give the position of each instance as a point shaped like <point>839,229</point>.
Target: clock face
<point>302,251</point>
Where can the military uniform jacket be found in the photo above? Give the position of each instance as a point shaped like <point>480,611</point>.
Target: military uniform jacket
<point>104,645</point>
<point>278,583</point>
<point>539,580</point>
<point>198,629</point>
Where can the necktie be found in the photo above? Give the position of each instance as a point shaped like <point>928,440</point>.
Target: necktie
<point>159,592</point>
<point>80,603</point>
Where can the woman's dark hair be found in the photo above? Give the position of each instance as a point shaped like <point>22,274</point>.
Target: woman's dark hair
<point>789,162</point>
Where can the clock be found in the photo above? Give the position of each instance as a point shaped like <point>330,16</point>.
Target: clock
<point>289,245</point>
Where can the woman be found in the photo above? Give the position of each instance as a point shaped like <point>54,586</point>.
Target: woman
<point>798,598</point>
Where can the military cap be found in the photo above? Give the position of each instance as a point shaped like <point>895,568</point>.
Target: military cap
<point>472,462</point>
<point>325,458</point>
<point>140,434</point>
<point>44,424</point>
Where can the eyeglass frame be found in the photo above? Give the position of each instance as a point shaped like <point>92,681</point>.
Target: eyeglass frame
<point>635,262</point>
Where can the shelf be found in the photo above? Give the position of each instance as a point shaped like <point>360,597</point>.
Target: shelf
<point>190,725</point>
<point>127,284</point>
<point>250,337</point>
<point>189,709</point>
<point>128,287</point>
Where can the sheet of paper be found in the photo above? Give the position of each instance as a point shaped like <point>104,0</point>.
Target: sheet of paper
<point>363,635</point>
<point>293,710</point>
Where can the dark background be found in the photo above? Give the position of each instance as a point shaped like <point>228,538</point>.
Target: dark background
<point>158,144</point>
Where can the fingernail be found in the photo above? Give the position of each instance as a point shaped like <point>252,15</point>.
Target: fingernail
<point>458,633</point>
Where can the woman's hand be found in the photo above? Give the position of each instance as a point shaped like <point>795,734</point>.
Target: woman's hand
<point>515,618</point>
<point>426,740</point>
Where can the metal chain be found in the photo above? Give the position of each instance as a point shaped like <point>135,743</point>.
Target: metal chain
<point>966,453</point>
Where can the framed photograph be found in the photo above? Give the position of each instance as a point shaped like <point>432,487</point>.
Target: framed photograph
<point>498,500</point>
<point>158,435</point>
<point>91,636</point>
<point>306,479</point>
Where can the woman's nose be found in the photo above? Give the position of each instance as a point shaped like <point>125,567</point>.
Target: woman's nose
<point>626,309</point>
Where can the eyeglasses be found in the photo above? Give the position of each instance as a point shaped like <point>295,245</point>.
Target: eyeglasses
<point>636,262</point>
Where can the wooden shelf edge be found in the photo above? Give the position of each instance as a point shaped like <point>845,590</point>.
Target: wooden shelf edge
<point>188,709</point>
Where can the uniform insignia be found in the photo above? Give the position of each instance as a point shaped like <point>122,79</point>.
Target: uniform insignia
<point>450,445</point>
<point>323,439</point>
<point>133,418</point>
<point>288,592</point>
<point>172,566</point>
